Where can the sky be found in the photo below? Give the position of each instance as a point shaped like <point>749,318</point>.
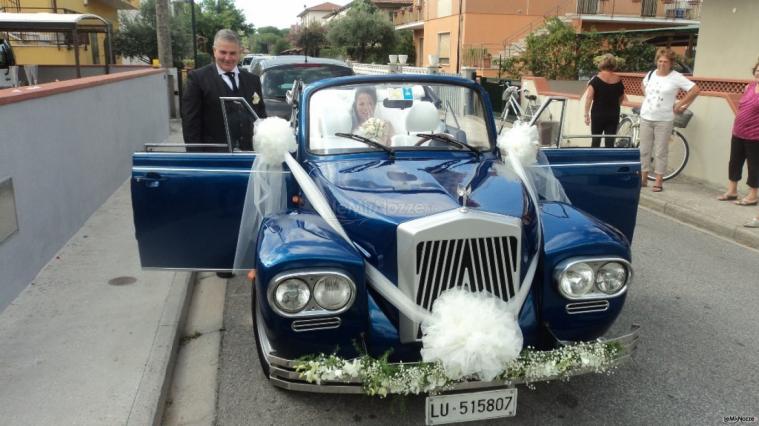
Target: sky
<point>277,13</point>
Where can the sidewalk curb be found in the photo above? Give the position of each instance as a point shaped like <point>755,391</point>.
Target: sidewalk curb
<point>150,400</point>
<point>739,234</point>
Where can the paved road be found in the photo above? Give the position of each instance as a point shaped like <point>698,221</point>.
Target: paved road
<point>694,294</point>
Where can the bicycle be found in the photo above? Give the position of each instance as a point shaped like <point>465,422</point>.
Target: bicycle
<point>679,151</point>
<point>511,103</point>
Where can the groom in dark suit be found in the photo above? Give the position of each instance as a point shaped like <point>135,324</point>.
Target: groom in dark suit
<point>202,118</point>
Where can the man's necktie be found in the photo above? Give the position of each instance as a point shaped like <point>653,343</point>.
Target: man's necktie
<point>231,76</point>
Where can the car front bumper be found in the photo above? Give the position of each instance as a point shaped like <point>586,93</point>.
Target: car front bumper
<point>282,371</point>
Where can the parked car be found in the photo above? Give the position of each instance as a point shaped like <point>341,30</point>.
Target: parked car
<point>249,61</point>
<point>436,207</point>
<point>279,72</point>
<point>7,60</point>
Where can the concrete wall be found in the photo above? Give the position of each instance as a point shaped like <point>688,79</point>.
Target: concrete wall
<point>727,39</point>
<point>51,73</point>
<point>66,154</point>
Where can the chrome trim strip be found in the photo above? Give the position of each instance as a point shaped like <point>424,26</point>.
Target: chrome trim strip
<point>196,154</point>
<point>612,163</point>
<point>304,325</point>
<point>196,170</point>
<point>282,374</point>
<point>587,307</point>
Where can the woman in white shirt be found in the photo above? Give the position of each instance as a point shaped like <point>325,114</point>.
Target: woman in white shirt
<point>658,113</point>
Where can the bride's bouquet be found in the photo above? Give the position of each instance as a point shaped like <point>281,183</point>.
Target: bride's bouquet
<point>374,128</point>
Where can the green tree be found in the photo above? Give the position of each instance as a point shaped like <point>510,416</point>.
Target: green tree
<point>219,14</point>
<point>558,53</point>
<point>136,37</point>
<point>405,45</point>
<point>269,40</point>
<point>364,33</point>
<point>638,55</point>
<point>310,38</point>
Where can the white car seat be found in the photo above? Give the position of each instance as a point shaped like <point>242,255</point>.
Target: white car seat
<point>336,121</point>
<point>422,117</point>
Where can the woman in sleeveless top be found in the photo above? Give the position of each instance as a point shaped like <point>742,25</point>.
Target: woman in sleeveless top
<point>744,147</point>
<point>605,93</point>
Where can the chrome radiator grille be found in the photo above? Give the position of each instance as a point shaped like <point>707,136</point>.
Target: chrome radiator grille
<point>481,264</point>
<point>458,248</point>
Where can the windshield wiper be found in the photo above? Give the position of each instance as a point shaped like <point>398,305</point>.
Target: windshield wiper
<point>367,141</point>
<point>444,137</point>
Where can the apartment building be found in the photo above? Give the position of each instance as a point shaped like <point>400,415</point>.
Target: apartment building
<point>316,13</point>
<point>51,48</point>
<point>458,33</point>
<point>388,7</point>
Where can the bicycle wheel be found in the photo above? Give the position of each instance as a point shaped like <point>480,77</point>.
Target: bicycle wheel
<point>678,155</point>
<point>626,129</point>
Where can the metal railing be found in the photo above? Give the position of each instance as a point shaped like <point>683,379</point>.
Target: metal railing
<point>481,55</point>
<point>409,14</point>
<point>370,69</point>
<point>539,22</point>
<point>10,6</point>
<point>683,9</point>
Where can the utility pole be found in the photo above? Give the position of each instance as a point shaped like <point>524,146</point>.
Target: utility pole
<point>194,37</point>
<point>163,33</point>
<point>163,36</point>
<point>458,41</point>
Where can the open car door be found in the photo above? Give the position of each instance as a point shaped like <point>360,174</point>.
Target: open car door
<point>604,182</point>
<point>187,208</point>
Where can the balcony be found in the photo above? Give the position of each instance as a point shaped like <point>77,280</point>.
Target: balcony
<point>667,9</point>
<point>410,17</point>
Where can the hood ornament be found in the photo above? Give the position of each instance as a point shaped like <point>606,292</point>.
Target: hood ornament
<point>464,193</point>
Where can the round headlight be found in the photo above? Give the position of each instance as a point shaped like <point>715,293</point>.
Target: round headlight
<point>333,292</point>
<point>611,277</point>
<point>292,295</point>
<point>576,280</point>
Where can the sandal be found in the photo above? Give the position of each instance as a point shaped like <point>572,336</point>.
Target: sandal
<point>727,197</point>
<point>657,188</point>
<point>753,223</point>
<point>746,203</point>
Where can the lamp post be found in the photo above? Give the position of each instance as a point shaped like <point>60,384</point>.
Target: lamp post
<point>194,36</point>
<point>194,29</point>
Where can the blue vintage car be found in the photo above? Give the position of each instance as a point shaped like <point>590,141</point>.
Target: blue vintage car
<point>421,193</point>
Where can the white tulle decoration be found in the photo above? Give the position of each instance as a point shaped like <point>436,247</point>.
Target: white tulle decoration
<point>273,138</point>
<point>471,334</point>
<point>521,141</point>
<point>267,191</point>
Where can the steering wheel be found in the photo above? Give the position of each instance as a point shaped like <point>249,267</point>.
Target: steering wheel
<point>425,140</point>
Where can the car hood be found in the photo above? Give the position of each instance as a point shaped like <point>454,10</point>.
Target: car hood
<point>372,197</point>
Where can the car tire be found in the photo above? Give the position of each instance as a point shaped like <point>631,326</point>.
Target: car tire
<point>255,312</point>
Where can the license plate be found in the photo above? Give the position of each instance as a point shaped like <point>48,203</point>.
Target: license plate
<point>465,407</point>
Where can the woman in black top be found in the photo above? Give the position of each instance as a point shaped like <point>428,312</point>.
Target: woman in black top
<point>605,92</point>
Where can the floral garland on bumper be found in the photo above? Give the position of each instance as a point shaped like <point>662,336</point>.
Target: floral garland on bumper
<point>379,377</point>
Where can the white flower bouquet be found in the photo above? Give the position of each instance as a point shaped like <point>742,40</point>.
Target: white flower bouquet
<point>374,128</point>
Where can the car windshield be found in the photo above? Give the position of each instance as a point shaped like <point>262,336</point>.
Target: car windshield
<point>400,116</point>
<point>277,81</point>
